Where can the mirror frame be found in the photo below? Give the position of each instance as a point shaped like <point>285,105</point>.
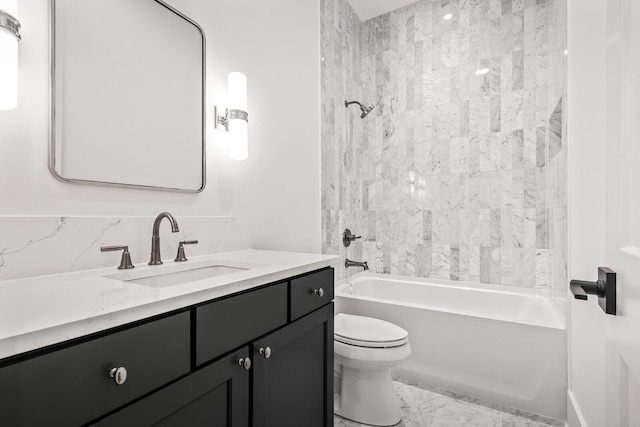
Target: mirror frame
<point>52,111</point>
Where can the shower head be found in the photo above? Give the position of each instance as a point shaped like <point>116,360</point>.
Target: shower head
<point>365,110</point>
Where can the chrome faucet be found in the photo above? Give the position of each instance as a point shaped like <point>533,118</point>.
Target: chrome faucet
<point>155,238</point>
<point>348,263</point>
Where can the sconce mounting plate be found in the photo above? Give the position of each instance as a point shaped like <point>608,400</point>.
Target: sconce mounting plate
<point>223,121</point>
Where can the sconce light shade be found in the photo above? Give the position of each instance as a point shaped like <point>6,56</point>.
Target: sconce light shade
<point>9,38</point>
<point>238,140</point>
<point>235,120</point>
<point>238,129</point>
<point>237,91</point>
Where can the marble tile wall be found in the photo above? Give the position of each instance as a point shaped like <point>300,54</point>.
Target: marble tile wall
<point>556,188</point>
<point>39,245</point>
<point>449,176</point>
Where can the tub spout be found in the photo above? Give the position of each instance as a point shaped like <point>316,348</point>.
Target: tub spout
<point>348,263</point>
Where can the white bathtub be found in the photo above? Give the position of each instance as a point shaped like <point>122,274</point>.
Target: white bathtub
<point>502,344</point>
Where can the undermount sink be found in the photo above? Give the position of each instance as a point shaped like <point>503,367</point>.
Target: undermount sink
<point>171,279</point>
<point>177,275</point>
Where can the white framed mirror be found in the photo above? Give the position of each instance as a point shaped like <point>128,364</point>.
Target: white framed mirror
<point>127,95</point>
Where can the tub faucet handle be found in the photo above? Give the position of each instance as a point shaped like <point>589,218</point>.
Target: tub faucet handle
<point>347,237</point>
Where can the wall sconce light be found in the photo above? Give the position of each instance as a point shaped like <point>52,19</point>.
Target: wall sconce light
<point>235,119</point>
<point>9,38</point>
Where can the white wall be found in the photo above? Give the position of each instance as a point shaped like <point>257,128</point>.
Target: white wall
<point>276,192</point>
<point>275,195</point>
<point>587,136</point>
<point>27,187</point>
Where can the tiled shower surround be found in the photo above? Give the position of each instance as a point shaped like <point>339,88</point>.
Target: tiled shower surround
<point>460,170</point>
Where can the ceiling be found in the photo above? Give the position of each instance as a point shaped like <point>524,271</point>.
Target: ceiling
<point>367,9</point>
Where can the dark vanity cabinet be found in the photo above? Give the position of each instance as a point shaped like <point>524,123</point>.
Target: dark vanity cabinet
<point>260,358</point>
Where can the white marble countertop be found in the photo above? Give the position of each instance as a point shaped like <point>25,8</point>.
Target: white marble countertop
<point>40,311</point>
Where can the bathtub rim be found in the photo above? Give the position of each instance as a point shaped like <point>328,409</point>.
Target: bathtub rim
<point>556,321</point>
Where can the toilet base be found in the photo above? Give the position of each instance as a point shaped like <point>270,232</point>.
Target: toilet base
<point>367,396</point>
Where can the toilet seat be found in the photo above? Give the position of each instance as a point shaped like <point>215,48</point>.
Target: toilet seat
<point>368,332</point>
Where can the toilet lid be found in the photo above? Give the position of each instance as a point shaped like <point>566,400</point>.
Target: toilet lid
<point>368,332</point>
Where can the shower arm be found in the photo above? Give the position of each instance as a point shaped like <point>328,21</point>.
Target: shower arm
<point>347,103</point>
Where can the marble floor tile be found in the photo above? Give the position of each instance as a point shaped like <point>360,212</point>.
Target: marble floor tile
<point>342,422</point>
<point>460,412</point>
<point>439,408</point>
<point>418,406</point>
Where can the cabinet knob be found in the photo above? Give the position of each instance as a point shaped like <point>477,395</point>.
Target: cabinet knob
<point>119,375</point>
<point>265,351</point>
<point>245,362</point>
<point>319,292</point>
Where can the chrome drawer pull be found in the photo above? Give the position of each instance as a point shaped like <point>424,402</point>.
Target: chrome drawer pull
<point>266,352</point>
<point>319,292</point>
<point>119,375</point>
<point>245,362</point>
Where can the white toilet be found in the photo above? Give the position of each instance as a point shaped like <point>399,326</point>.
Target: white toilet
<point>365,350</point>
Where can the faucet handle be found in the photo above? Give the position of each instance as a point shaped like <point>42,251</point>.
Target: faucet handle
<point>180,257</point>
<point>125,261</point>
<point>347,237</point>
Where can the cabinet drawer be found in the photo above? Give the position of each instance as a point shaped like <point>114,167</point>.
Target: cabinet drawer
<point>72,386</point>
<point>229,323</point>
<point>305,292</point>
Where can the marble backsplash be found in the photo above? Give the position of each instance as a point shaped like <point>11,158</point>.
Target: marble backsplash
<point>42,245</point>
<point>456,173</point>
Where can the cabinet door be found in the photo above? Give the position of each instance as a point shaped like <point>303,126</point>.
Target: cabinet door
<point>293,387</point>
<point>215,396</point>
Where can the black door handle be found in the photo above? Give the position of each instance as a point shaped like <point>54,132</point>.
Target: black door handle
<point>581,288</point>
<point>604,288</point>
